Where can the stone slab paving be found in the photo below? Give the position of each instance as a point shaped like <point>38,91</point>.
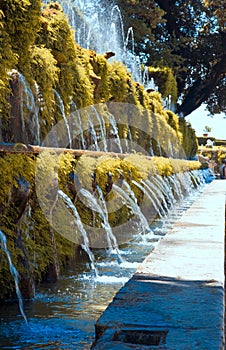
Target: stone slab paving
<point>175,300</point>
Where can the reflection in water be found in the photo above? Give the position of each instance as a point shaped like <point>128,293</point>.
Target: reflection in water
<point>63,315</point>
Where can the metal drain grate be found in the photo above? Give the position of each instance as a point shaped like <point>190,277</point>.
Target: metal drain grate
<point>141,337</point>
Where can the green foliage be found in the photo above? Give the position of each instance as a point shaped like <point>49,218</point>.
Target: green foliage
<point>155,102</point>
<point>120,81</point>
<point>57,36</point>
<point>207,129</point>
<point>165,80</point>
<point>143,17</point>
<point>173,121</point>
<point>189,142</point>
<point>79,75</point>
<point>100,78</point>
<point>188,37</point>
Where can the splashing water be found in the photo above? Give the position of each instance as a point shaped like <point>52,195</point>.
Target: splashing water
<point>129,190</point>
<point>14,273</point>
<point>103,203</point>
<point>61,105</point>
<point>93,204</point>
<point>114,127</point>
<point>85,245</point>
<point>157,195</point>
<point>102,128</point>
<point>64,316</point>
<point>101,28</point>
<point>94,140</point>
<point>78,119</point>
<point>153,199</point>
<point>134,207</point>
<point>33,108</point>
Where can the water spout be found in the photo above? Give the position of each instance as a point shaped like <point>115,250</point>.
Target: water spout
<point>14,273</point>
<point>61,105</point>
<point>114,136</point>
<point>158,196</point>
<point>100,192</point>
<point>33,108</point>
<point>76,114</point>
<point>151,196</point>
<point>85,244</point>
<point>94,139</point>
<point>94,206</point>
<point>102,128</point>
<point>134,207</point>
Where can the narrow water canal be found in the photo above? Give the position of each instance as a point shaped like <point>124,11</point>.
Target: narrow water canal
<point>63,315</point>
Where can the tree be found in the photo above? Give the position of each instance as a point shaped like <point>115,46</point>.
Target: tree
<point>190,37</point>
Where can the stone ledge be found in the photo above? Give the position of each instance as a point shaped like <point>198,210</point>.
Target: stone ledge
<point>178,289</point>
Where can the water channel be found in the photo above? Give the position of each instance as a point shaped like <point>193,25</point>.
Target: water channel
<point>63,315</point>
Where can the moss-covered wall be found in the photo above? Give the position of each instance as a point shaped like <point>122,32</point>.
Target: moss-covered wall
<point>43,50</point>
<point>39,59</point>
<point>28,231</point>
<point>165,80</point>
<point>189,141</point>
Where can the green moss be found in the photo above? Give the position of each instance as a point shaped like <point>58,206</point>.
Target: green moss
<point>8,59</point>
<point>165,80</point>
<point>34,230</point>
<point>46,74</point>
<point>22,19</point>
<point>189,142</point>
<point>173,121</point>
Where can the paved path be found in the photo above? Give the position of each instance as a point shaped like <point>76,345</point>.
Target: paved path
<point>176,298</point>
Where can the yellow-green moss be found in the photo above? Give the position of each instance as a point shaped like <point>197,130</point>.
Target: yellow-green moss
<point>189,142</point>
<point>22,18</point>
<point>34,230</point>
<point>165,80</point>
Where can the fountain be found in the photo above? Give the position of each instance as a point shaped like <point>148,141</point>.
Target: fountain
<point>101,28</point>
<point>144,226</point>
<point>158,197</point>
<point>114,133</point>
<point>84,291</point>
<point>79,295</point>
<point>101,124</point>
<point>78,124</point>
<point>94,139</point>
<point>93,204</point>
<point>72,303</point>
<point>86,243</point>
<point>61,105</point>
<point>152,198</point>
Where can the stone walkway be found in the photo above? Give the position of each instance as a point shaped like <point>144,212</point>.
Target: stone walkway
<point>175,300</point>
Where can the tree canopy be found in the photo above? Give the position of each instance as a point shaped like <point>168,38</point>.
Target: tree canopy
<point>189,37</point>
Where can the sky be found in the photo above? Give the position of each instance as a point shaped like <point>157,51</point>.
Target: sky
<point>199,119</point>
